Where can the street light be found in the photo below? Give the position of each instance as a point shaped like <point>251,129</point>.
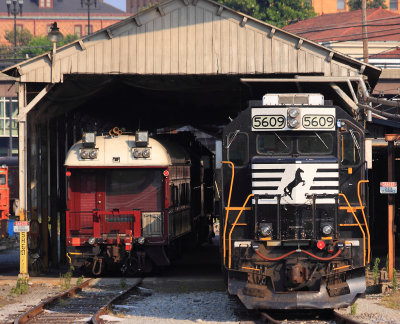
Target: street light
<point>15,11</point>
<point>88,3</point>
<point>54,36</point>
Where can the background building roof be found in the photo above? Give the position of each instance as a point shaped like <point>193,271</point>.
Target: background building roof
<point>346,26</point>
<point>64,6</point>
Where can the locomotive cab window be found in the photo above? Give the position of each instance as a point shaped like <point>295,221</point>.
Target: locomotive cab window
<point>238,148</point>
<point>350,148</point>
<point>315,143</point>
<point>273,143</point>
<point>2,179</point>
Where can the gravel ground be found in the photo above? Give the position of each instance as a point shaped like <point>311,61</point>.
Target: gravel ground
<point>369,310</point>
<point>191,300</point>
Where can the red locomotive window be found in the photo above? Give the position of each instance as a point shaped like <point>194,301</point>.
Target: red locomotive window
<point>2,179</point>
<point>129,189</point>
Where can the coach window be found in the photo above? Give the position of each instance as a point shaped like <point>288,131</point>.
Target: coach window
<point>315,143</point>
<point>238,148</point>
<point>350,148</point>
<point>274,143</point>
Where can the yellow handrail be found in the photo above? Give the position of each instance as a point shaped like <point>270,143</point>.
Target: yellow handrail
<point>363,213</point>
<point>233,226</point>
<point>355,217</point>
<point>229,205</point>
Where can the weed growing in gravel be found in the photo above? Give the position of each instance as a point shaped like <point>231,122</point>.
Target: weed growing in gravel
<point>20,288</point>
<point>353,309</point>
<point>122,282</point>
<point>65,279</point>
<point>375,270</point>
<point>79,280</point>
<point>392,300</point>
<point>394,280</point>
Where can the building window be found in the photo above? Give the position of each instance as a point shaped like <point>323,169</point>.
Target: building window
<point>5,105</point>
<point>87,29</point>
<point>45,3</point>
<point>341,4</point>
<point>394,5</point>
<point>78,31</point>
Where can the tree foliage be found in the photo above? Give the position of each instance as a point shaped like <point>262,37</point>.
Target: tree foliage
<point>276,12</point>
<point>40,44</point>
<point>24,36</point>
<point>356,4</point>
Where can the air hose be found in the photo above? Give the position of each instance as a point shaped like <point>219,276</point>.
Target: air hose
<point>294,251</point>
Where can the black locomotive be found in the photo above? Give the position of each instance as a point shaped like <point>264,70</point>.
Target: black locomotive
<point>294,228</point>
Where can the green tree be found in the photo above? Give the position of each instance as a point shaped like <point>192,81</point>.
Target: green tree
<point>356,4</point>
<point>24,36</point>
<point>40,44</point>
<point>276,12</point>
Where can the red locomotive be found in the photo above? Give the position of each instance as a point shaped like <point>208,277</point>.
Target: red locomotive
<point>4,200</point>
<point>132,198</point>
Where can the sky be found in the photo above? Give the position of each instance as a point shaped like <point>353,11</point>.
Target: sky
<point>120,4</point>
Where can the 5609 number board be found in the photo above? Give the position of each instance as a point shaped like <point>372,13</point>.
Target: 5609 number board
<point>279,119</point>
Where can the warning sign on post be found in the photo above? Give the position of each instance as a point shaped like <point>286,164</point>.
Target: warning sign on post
<point>21,226</point>
<point>388,187</point>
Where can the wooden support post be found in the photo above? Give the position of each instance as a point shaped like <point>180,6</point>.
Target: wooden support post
<point>52,153</point>
<point>44,195</point>
<point>390,138</point>
<point>61,138</point>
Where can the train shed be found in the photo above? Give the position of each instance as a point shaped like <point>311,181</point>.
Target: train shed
<point>182,62</point>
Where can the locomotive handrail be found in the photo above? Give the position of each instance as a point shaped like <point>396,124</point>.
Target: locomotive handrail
<point>233,226</point>
<point>363,213</point>
<point>355,217</point>
<point>229,205</point>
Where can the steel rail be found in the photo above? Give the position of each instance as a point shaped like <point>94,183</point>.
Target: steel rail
<point>36,310</point>
<point>96,318</point>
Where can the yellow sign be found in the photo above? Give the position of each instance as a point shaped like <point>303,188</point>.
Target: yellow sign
<point>23,247</point>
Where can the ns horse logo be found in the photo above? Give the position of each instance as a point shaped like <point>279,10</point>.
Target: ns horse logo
<point>297,180</point>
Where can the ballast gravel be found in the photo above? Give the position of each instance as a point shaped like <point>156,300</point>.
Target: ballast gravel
<point>187,301</point>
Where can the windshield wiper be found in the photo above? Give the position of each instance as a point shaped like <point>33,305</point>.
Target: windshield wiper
<point>321,140</point>
<point>280,139</point>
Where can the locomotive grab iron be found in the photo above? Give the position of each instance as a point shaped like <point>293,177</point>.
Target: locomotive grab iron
<point>131,198</point>
<point>295,217</point>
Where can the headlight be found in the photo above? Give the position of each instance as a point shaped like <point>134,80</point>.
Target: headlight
<point>293,123</point>
<point>265,229</point>
<point>84,154</point>
<point>146,153</point>
<point>91,240</point>
<point>141,240</point>
<point>93,154</point>
<point>327,229</point>
<point>293,113</point>
<point>137,153</point>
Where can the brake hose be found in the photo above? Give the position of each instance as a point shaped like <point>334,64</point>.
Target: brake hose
<point>294,251</point>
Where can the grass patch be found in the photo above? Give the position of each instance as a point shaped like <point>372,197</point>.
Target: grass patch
<point>353,309</point>
<point>375,270</point>
<point>65,279</point>
<point>20,288</point>
<point>392,300</point>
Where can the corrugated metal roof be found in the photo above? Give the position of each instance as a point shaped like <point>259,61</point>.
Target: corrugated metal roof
<point>191,37</point>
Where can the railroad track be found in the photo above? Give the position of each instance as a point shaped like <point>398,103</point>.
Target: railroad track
<point>83,303</point>
<point>326,317</point>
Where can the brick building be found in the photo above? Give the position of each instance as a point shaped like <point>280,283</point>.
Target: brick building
<point>71,18</point>
<point>333,6</point>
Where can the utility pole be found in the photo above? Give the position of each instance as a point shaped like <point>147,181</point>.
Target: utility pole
<point>88,4</point>
<point>364,30</point>
<point>14,10</point>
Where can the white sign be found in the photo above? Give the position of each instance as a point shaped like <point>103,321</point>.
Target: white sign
<point>21,226</point>
<point>388,187</point>
<point>278,119</point>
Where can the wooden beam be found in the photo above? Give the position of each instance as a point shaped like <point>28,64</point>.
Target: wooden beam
<point>299,44</point>
<point>137,21</point>
<point>243,22</point>
<point>272,32</point>
<point>161,11</point>
<point>23,111</point>
<point>220,9</point>
<point>330,57</point>
<point>109,33</point>
<point>83,47</point>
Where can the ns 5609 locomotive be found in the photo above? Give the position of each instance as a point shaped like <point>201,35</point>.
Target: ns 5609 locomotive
<point>131,198</point>
<point>295,221</point>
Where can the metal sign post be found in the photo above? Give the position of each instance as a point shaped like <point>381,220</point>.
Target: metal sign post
<point>22,227</point>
